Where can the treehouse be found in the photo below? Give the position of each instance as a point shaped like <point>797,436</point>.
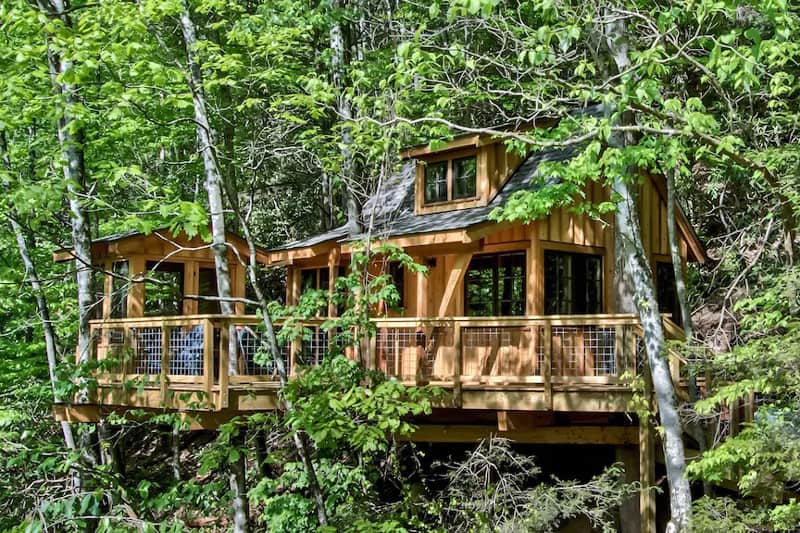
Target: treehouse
<point>529,326</point>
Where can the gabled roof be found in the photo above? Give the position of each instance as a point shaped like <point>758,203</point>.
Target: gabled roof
<point>65,254</point>
<point>393,206</point>
<point>393,214</point>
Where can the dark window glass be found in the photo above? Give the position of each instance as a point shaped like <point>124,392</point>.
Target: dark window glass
<point>464,177</point>
<point>573,283</point>
<point>494,285</point>
<point>667,292</point>
<point>119,290</point>
<point>436,182</point>
<point>207,286</point>
<point>398,273</point>
<point>98,291</point>
<point>163,296</point>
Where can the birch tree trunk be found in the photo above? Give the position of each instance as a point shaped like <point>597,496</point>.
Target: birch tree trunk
<point>213,184</point>
<point>31,275</point>
<point>74,174</point>
<point>643,288</point>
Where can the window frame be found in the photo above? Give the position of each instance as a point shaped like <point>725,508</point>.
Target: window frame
<point>497,301</point>
<point>449,160</point>
<point>574,276</point>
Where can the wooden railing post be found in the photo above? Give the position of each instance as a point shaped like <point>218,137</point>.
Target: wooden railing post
<point>164,374</point>
<point>458,365</point>
<point>620,356</point>
<point>208,357</point>
<point>224,343</point>
<point>547,371</point>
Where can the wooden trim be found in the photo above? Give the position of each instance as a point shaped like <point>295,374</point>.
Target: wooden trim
<point>572,248</point>
<point>454,282</point>
<point>608,435</point>
<point>136,294</point>
<point>423,151</point>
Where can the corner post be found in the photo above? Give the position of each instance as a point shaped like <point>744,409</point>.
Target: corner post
<point>458,370</point>
<point>547,371</point>
<point>224,344</point>
<point>208,357</point>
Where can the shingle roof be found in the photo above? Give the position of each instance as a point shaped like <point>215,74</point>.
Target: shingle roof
<point>393,205</point>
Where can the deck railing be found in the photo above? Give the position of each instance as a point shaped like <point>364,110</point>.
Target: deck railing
<point>191,353</point>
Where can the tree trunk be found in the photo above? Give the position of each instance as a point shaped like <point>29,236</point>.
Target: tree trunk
<point>641,278</point>
<point>238,484</point>
<point>74,175</point>
<point>677,260</point>
<point>219,246</point>
<point>344,110</point>
<point>50,337</point>
<point>696,429</point>
<point>300,440</point>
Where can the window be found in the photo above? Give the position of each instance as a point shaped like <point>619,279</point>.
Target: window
<point>667,292</point>
<point>572,283</point>
<point>207,286</point>
<point>494,285</point>
<point>318,279</point>
<point>436,182</point>
<point>398,273</point>
<point>454,179</point>
<point>163,293</point>
<point>119,290</point>
<point>465,171</point>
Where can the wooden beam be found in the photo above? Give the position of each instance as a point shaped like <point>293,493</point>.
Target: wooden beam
<point>535,289</point>
<point>191,285</point>
<point>453,282</point>
<point>597,435</point>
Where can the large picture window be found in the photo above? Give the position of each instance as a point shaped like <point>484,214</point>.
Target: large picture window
<point>454,179</point>
<point>494,285</point>
<point>573,283</point>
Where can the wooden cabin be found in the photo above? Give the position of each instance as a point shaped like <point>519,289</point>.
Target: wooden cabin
<point>528,325</point>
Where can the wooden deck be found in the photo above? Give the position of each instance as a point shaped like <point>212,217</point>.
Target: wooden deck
<point>545,363</point>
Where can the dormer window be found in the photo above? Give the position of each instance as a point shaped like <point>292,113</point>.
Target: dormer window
<point>451,179</point>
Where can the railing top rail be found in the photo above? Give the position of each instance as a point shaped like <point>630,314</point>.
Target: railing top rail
<point>620,319</point>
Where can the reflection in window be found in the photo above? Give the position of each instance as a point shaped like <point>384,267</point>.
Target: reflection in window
<point>163,289</point>
<point>207,286</point>
<point>494,285</point>
<point>465,173</point>
<point>436,182</point>
<point>572,283</point>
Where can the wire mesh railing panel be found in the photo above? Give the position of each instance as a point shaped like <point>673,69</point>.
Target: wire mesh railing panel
<point>186,347</point>
<point>313,348</point>
<point>253,353</point>
<point>499,351</point>
<point>146,344</point>
<point>398,349</point>
<point>584,351</point>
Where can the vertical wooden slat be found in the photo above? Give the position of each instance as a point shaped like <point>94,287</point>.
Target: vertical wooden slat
<point>458,367</point>
<point>619,349</point>
<point>165,357</point>
<point>548,366</point>
<point>224,340</point>
<point>208,357</point>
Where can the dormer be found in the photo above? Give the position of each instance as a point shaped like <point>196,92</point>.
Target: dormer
<point>466,172</point>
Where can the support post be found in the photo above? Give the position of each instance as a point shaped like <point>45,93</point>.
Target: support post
<point>191,285</point>
<point>164,374</point>
<point>458,370</point>
<point>535,294</point>
<point>647,497</point>
<point>224,344</point>
<point>136,293</point>
<point>548,366</point>
<point>208,358</point>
